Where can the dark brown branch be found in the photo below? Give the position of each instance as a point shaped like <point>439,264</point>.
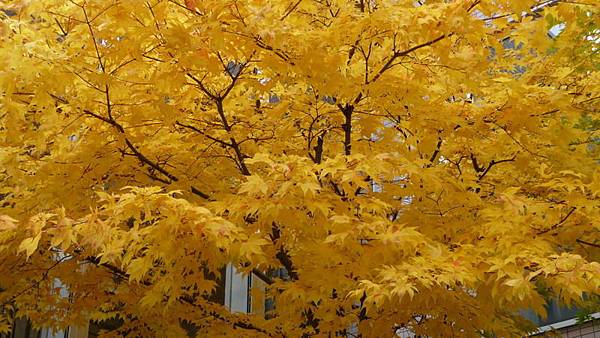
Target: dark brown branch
<point>236,77</point>
<point>290,10</point>
<point>347,110</point>
<point>588,243</point>
<point>234,144</point>
<point>493,163</point>
<point>546,113</point>
<point>366,56</point>
<point>338,191</point>
<point>238,14</point>
<point>475,164</point>
<point>130,145</point>
<point>64,33</point>
<point>218,100</point>
<point>221,112</point>
<point>279,53</point>
<point>556,225</point>
<point>35,283</point>
<point>282,254</point>
<point>202,87</point>
<point>139,155</point>
<point>319,148</point>
<point>361,5</point>
<point>117,272</point>
<point>352,51</point>
<point>125,63</point>
<point>517,141</point>
<point>398,54</point>
<point>473,5</point>
<point>437,150</point>
<point>110,119</point>
<point>199,193</point>
<point>156,178</point>
<point>108,104</point>
<point>89,25</point>
<point>149,162</point>
<point>203,134</point>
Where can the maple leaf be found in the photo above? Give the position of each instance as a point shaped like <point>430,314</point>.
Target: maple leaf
<point>30,245</point>
<point>254,184</point>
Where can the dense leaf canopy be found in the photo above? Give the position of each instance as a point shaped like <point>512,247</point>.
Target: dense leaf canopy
<point>422,165</point>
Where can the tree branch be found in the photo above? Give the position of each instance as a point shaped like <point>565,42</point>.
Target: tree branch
<point>202,87</point>
<point>493,163</point>
<point>290,10</point>
<point>347,127</point>
<point>397,54</point>
<point>473,5</point>
<point>233,143</point>
<point>203,134</point>
<point>562,220</point>
<point>319,148</point>
<point>476,166</point>
<point>139,155</point>
<point>123,275</point>
<point>437,150</point>
<point>588,243</point>
<point>283,254</point>
<point>218,100</point>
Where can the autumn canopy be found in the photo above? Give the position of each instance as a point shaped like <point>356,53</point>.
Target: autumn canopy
<point>428,165</point>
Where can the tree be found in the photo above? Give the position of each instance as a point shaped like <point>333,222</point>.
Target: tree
<point>410,164</point>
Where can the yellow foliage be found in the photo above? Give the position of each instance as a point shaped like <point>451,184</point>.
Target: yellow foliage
<point>421,165</point>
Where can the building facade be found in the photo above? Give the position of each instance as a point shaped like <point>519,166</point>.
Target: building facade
<point>563,322</point>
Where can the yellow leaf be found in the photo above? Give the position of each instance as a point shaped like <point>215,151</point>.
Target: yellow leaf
<point>29,245</point>
<point>7,223</point>
<point>254,184</point>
